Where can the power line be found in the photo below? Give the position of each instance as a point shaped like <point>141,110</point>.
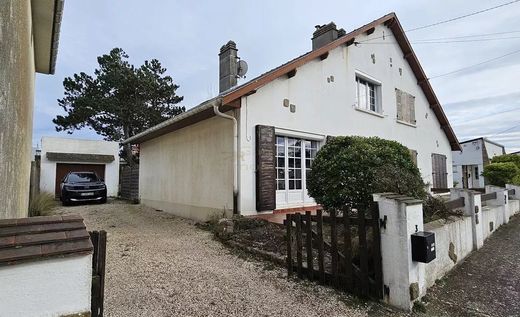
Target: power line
<point>474,65</point>
<point>450,20</point>
<point>474,35</point>
<point>506,130</point>
<point>462,16</point>
<point>432,41</point>
<point>487,116</point>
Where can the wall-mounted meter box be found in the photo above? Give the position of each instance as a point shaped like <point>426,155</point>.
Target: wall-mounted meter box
<point>423,246</point>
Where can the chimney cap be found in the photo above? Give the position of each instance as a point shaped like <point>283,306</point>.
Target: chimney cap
<point>322,29</point>
<point>228,46</point>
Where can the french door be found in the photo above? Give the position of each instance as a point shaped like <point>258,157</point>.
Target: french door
<point>294,157</point>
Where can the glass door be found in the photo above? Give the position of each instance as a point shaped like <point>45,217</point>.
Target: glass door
<point>294,158</point>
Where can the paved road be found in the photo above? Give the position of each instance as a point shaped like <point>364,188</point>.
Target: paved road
<point>487,283</point>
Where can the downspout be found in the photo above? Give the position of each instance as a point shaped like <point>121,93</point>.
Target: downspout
<point>235,155</point>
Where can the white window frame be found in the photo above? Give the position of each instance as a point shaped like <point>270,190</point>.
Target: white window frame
<point>378,109</point>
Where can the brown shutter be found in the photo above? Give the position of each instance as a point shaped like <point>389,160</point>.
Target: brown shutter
<point>411,108</point>
<point>265,168</point>
<point>439,171</point>
<point>399,103</point>
<point>413,154</point>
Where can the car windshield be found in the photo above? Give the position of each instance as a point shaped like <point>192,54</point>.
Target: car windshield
<point>82,178</point>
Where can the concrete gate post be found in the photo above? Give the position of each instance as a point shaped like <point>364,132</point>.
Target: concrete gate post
<point>403,279</point>
<point>500,202</point>
<point>472,208</point>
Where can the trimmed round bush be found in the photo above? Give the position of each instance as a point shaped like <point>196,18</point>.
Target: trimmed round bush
<point>349,169</point>
<point>500,174</point>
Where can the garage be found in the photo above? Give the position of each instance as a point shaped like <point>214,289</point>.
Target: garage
<point>62,169</point>
<point>59,156</point>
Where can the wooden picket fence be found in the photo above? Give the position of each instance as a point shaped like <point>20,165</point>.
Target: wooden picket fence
<point>341,251</point>
<point>99,240</point>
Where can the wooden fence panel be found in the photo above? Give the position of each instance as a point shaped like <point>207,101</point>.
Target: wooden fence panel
<point>338,265</point>
<point>129,183</point>
<point>99,241</point>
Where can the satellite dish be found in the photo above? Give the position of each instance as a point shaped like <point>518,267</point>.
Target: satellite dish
<point>242,68</point>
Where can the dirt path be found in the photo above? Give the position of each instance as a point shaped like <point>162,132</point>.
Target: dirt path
<point>487,283</point>
<point>161,265</point>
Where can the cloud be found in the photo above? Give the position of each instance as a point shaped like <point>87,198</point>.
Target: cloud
<point>186,37</point>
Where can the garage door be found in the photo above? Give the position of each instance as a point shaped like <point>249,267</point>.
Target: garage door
<point>62,169</point>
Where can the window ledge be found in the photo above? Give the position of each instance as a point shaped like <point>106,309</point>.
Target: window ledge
<point>377,114</point>
<point>406,123</point>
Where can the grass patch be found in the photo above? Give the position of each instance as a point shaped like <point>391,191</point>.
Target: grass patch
<point>42,205</point>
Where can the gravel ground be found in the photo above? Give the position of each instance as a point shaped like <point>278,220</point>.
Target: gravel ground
<point>162,265</point>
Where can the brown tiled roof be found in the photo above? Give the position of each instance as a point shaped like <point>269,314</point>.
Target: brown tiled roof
<point>37,238</point>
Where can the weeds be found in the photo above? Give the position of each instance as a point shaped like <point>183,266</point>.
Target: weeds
<point>42,205</point>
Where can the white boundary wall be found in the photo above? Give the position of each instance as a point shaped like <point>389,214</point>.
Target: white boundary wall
<point>455,238</point>
<point>53,287</point>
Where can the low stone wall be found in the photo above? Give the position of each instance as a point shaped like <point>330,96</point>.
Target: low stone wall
<point>406,280</point>
<point>453,242</point>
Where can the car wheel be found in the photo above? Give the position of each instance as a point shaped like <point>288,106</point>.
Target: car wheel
<point>103,200</point>
<point>65,202</point>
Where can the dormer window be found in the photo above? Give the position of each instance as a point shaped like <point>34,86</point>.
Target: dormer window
<point>368,92</point>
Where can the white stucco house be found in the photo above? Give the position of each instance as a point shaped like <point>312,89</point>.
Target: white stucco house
<point>60,156</point>
<point>469,163</point>
<point>248,149</point>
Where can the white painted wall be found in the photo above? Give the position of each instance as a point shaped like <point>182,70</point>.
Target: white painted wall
<point>189,172</point>
<point>455,231</point>
<point>493,149</point>
<point>325,107</point>
<point>66,145</point>
<point>53,287</point>
<point>471,154</point>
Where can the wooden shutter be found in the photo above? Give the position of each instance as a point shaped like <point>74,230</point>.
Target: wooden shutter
<point>265,168</point>
<point>405,106</point>
<point>413,154</point>
<point>399,103</point>
<point>439,171</point>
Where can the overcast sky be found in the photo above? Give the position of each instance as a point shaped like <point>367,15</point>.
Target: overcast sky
<point>186,36</point>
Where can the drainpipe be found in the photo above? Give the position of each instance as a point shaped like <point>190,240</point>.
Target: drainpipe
<point>235,155</point>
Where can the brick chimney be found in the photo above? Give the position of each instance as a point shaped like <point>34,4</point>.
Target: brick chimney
<point>228,66</point>
<point>325,34</point>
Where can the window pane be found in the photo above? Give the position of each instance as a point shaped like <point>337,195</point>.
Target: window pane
<point>298,174</point>
<point>291,184</point>
<point>291,173</point>
<point>280,173</point>
<point>280,162</point>
<point>291,162</point>
<point>280,140</point>
<point>298,184</point>
<point>291,141</point>
<point>362,96</point>
<point>281,185</point>
<point>298,163</point>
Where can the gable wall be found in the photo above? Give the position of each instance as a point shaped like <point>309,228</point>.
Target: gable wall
<point>189,172</point>
<point>327,108</point>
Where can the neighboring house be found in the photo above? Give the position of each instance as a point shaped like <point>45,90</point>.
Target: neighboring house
<point>60,156</point>
<point>468,165</point>
<point>29,33</point>
<point>190,165</point>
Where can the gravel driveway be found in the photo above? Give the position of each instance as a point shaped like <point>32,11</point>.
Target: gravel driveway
<point>162,265</point>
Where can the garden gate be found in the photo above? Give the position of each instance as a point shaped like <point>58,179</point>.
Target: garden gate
<point>341,249</point>
<point>99,240</point>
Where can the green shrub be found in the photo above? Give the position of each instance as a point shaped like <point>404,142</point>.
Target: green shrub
<point>513,158</point>
<point>42,205</point>
<point>500,174</point>
<point>348,170</point>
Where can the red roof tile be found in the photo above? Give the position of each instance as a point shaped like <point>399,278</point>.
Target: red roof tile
<point>37,238</point>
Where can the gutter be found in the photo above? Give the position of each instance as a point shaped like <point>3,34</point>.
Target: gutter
<point>235,154</point>
<point>56,26</point>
